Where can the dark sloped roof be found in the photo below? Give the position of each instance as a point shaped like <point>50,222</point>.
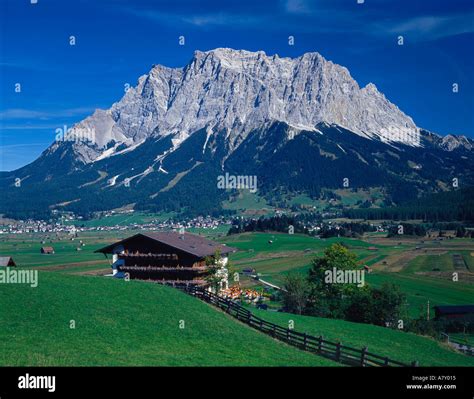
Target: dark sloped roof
<point>7,261</point>
<point>455,309</point>
<point>187,242</point>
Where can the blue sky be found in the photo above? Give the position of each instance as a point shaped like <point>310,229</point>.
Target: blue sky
<point>119,40</point>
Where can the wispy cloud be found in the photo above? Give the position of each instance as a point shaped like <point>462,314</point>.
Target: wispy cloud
<point>220,19</point>
<point>28,126</point>
<point>431,27</point>
<point>322,16</point>
<point>297,6</point>
<point>196,19</point>
<point>21,113</point>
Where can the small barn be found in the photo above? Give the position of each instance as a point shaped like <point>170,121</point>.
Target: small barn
<point>167,257</point>
<point>47,250</point>
<point>454,312</point>
<point>7,261</point>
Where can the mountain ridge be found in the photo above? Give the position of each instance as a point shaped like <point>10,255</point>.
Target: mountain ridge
<point>164,144</point>
<point>240,90</point>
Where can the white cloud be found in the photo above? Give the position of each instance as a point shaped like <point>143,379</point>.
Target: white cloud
<point>21,113</point>
<point>431,27</point>
<point>297,6</point>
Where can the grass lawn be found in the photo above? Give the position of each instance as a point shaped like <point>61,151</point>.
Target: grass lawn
<point>398,345</point>
<point>120,323</point>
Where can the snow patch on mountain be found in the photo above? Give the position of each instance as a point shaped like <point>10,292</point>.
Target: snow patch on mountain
<point>451,143</point>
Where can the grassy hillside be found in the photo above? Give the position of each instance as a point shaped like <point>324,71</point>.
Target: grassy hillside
<point>398,345</point>
<point>127,323</point>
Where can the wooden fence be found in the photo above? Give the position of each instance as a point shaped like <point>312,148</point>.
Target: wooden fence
<point>318,345</point>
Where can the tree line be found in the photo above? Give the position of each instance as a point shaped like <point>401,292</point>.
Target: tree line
<point>446,206</point>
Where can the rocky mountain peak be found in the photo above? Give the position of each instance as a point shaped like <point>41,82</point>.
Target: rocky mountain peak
<point>237,91</point>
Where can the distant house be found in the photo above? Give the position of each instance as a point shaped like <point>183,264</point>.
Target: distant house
<point>6,261</point>
<point>373,249</point>
<point>454,312</point>
<point>167,257</point>
<point>47,250</point>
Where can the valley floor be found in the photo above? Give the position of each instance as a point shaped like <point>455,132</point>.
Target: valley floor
<point>135,323</point>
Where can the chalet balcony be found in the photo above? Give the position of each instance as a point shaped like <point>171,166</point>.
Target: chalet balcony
<point>151,268</point>
<point>182,282</point>
<point>149,255</point>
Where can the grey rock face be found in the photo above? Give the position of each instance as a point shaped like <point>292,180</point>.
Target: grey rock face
<point>232,92</point>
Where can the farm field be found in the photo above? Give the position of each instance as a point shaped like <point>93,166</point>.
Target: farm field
<point>406,266</point>
<point>420,289</point>
<point>132,323</point>
<point>25,249</point>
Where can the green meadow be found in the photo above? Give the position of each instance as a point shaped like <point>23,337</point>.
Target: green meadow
<point>119,323</point>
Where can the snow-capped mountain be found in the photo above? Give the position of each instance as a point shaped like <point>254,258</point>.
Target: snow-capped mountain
<point>302,124</point>
<point>237,91</point>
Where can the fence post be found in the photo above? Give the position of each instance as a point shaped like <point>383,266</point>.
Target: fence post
<point>338,351</point>
<point>261,324</point>
<point>288,332</point>
<point>387,360</point>
<point>414,363</point>
<point>274,330</point>
<point>363,356</point>
<point>320,344</point>
<point>305,341</point>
